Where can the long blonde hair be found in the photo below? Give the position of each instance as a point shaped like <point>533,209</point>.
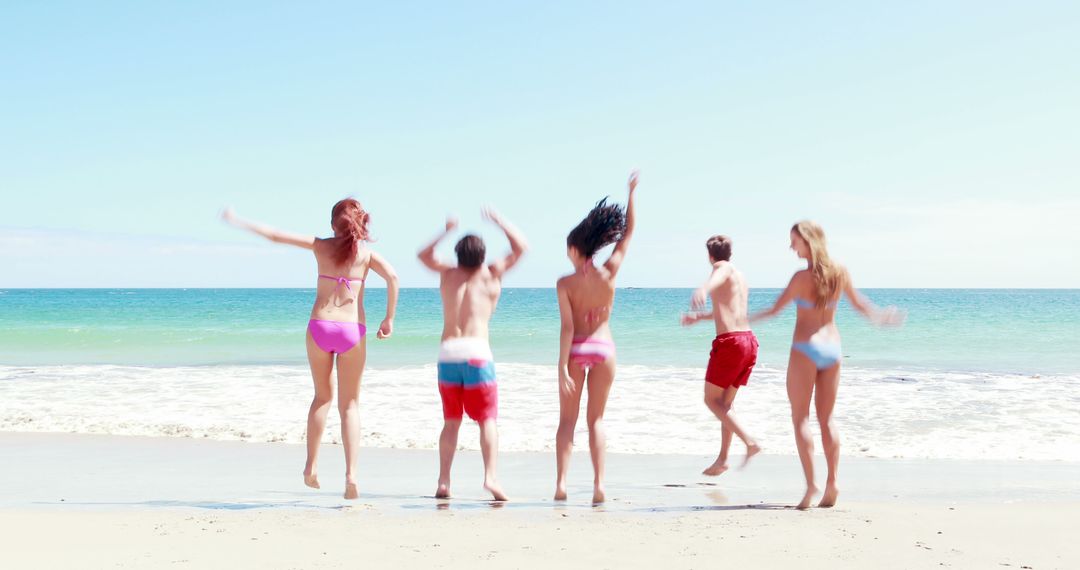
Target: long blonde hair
<point>829,277</point>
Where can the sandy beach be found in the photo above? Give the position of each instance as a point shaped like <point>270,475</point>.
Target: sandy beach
<point>124,502</point>
<point>861,535</point>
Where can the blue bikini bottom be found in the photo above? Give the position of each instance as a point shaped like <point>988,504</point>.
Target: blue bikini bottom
<point>823,354</point>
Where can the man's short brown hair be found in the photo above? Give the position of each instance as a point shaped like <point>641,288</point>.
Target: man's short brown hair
<point>470,252</point>
<point>719,248</point>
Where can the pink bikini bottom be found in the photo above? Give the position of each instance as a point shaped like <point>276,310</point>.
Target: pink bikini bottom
<point>588,352</point>
<point>336,336</point>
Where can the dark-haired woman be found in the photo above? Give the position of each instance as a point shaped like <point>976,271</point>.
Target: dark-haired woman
<point>586,350</point>
<point>336,328</point>
<point>814,362</point>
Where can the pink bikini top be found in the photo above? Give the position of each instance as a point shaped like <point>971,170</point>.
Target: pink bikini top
<point>342,280</point>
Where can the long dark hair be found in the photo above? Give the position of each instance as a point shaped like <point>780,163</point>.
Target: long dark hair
<point>604,224</point>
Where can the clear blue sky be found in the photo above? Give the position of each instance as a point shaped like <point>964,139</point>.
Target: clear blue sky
<point>937,142</point>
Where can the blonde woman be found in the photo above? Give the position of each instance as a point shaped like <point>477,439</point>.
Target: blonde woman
<point>814,363</point>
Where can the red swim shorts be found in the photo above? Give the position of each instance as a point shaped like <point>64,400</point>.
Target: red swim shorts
<point>733,356</point>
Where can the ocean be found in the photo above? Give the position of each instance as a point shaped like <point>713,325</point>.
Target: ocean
<point>973,374</point>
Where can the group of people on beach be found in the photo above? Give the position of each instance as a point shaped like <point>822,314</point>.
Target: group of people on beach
<point>470,290</point>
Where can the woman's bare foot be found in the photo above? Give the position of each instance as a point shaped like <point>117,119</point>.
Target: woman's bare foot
<point>598,496</point>
<point>717,468</point>
<point>443,492</point>
<point>829,498</point>
<point>311,480</point>
<point>560,492</point>
<point>496,491</point>
<point>752,449</point>
<point>351,492</point>
<point>807,498</point>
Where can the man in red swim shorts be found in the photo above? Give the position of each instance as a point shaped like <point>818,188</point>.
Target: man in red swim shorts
<point>734,350</point>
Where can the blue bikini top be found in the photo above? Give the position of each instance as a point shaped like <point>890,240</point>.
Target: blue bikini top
<point>804,304</point>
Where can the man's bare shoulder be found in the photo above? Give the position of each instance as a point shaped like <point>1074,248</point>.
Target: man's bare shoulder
<point>723,269</point>
<point>489,275</point>
<point>451,274</point>
<point>736,278</point>
<point>461,275</point>
<point>734,269</point>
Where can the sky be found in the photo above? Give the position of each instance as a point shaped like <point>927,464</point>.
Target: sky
<point>936,142</point>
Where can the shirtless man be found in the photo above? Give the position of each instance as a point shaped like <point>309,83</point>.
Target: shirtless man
<point>734,350</point>
<point>470,290</point>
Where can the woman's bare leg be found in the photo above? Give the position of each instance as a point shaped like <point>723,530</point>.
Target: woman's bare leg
<point>322,365</point>
<point>826,387</point>
<point>569,408</point>
<point>350,368</point>
<point>599,383</point>
<point>800,388</point>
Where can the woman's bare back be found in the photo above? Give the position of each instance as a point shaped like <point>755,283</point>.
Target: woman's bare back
<point>814,321</point>
<point>591,294</point>
<point>338,299</point>
<point>469,299</point>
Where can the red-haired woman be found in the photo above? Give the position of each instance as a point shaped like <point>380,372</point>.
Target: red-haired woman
<point>814,363</point>
<point>337,325</point>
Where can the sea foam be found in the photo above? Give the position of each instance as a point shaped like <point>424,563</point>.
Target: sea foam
<point>880,413</point>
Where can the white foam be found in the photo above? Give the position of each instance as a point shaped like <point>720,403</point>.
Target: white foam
<point>651,409</point>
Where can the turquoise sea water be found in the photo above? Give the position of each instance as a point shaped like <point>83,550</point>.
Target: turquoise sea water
<point>968,366</point>
<point>1005,331</point>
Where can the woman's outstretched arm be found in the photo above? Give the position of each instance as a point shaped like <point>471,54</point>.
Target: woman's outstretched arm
<point>619,254</point>
<point>272,234</point>
<point>785,297</point>
<point>882,317</point>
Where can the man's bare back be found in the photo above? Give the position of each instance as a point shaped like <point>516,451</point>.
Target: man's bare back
<point>726,288</point>
<point>469,299</point>
<point>470,291</point>
<point>729,299</point>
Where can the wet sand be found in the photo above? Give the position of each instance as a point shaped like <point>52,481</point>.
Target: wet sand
<point>101,501</point>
